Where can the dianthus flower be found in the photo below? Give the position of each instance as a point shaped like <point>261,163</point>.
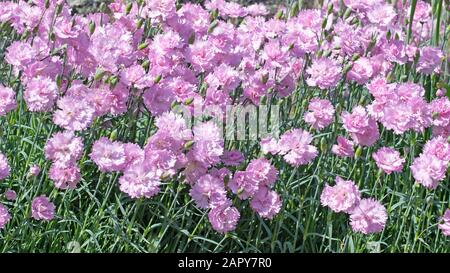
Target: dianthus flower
<point>321,113</point>
<point>369,216</point>
<point>42,208</point>
<point>342,197</point>
<point>388,160</point>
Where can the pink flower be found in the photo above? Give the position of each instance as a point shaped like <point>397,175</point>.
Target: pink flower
<point>20,54</point>
<point>109,156</point>
<point>208,191</point>
<point>4,216</point>
<point>243,184</point>
<point>343,196</point>
<point>362,128</point>
<point>64,149</point>
<point>438,147</point>
<point>158,99</point>
<point>64,177</point>
<point>266,203</point>
<point>344,147</point>
<point>108,44</point>
<point>4,167</point>
<point>42,208</point>
<point>224,217</point>
<point>428,170</point>
<point>368,217</point>
<point>388,160</point>
<point>269,145</point>
<point>430,60</point>
<point>382,15</point>
<point>139,181</point>
<point>40,94</point>
<point>296,148</point>
<point>7,100</point>
<point>232,158</point>
<point>208,143</point>
<point>161,8</point>
<point>361,71</point>
<point>263,171</point>
<point>132,75</point>
<point>444,224</point>
<point>324,73</point>
<point>10,195</point>
<point>441,111</point>
<point>321,113</point>
<point>34,170</point>
<point>73,114</point>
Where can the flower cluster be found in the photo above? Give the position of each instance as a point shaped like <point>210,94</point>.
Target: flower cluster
<point>366,215</point>
<point>146,58</point>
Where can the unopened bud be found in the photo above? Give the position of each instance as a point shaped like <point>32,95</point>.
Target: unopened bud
<point>128,8</point>
<point>358,152</point>
<point>91,27</point>
<point>295,9</point>
<point>113,135</point>
<point>142,46</point>
<point>158,79</point>
<point>188,144</point>
<point>279,15</point>
<point>323,145</point>
<point>188,101</point>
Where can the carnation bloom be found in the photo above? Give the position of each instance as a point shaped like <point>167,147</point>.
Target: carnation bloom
<point>64,149</point>
<point>73,114</point>
<point>438,147</point>
<point>208,144</point>
<point>224,217</point>
<point>34,170</point>
<point>441,111</point>
<point>344,147</point>
<point>232,158</point>
<point>64,177</point>
<point>266,203</point>
<point>10,195</point>
<point>208,191</point>
<point>428,170</point>
<point>361,71</point>
<point>4,167</point>
<point>244,184</point>
<point>269,145</point>
<point>369,216</point>
<point>109,156</point>
<point>388,160</point>
<point>324,73</point>
<point>42,208</point>
<point>444,226</point>
<point>362,128</point>
<point>40,94</point>
<point>430,60</point>
<point>4,216</point>
<point>139,181</point>
<point>343,196</point>
<point>7,100</point>
<point>295,145</point>
<point>321,113</point>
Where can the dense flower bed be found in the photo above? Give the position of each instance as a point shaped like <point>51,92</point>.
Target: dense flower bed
<point>154,56</point>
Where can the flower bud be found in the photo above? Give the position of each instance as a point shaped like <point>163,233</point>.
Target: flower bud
<point>188,144</point>
<point>128,8</point>
<point>279,15</point>
<point>188,101</point>
<point>142,46</point>
<point>91,27</point>
<point>158,79</point>
<point>358,152</point>
<point>113,135</point>
<point>323,145</point>
<point>146,64</point>
<point>295,9</point>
